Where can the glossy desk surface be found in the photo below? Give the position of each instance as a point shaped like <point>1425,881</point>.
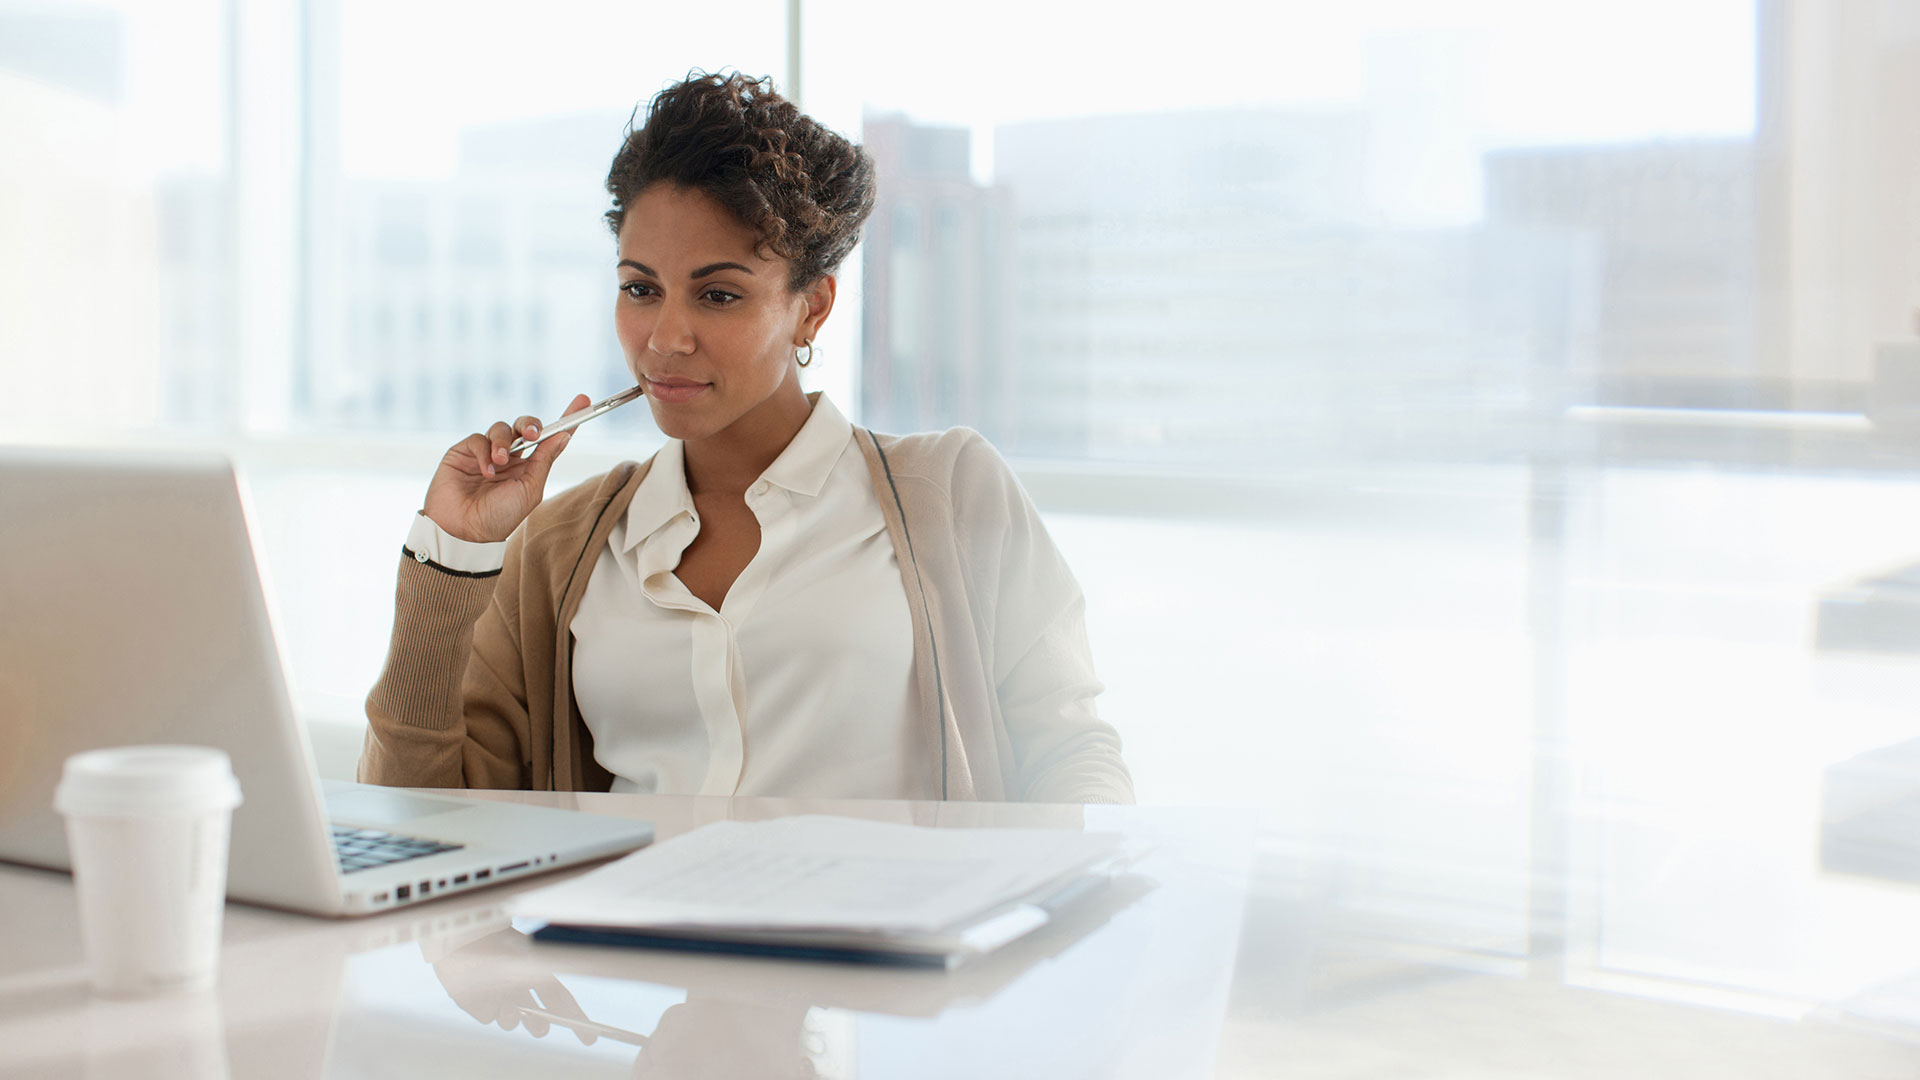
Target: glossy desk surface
<point>1223,956</point>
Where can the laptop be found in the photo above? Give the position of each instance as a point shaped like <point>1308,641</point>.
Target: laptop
<point>131,612</point>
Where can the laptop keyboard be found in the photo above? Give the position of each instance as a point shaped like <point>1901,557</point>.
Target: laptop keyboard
<point>363,849</point>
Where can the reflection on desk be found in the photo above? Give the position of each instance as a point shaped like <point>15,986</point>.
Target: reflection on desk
<point>1311,959</point>
<point>773,1024</point>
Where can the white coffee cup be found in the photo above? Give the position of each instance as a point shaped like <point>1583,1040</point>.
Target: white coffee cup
<point>147,829</point>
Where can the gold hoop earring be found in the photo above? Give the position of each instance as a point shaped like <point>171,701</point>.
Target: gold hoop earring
<point>808,359</point>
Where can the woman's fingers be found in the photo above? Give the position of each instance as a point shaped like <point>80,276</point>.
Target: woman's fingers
<point>547,451</point>
<point>527,427</point>
<point>490,450</point>
<point>480,449</point>
<point>499,437</point>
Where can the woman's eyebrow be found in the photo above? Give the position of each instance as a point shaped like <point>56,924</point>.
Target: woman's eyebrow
<point>710,268</point>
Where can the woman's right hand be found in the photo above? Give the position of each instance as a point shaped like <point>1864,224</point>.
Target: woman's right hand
<point>480,494</point>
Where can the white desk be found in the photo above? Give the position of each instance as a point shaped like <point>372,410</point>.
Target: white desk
<point>1191,974</point>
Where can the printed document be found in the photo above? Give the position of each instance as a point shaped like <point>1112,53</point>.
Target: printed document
<point>823,873</point>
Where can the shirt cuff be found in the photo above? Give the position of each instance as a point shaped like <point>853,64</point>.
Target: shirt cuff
<point>448,550</point>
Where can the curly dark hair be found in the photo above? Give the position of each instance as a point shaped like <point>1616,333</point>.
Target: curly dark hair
<point>803,188</point>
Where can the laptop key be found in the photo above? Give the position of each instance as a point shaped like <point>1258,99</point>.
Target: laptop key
<point>360,849</point>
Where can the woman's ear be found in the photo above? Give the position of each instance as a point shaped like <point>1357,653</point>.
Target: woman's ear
<point>819,297</point>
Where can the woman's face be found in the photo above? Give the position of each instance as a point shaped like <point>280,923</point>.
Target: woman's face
<point>708,325</point>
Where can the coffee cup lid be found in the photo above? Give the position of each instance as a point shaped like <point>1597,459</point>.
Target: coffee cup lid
<point>147,780</point>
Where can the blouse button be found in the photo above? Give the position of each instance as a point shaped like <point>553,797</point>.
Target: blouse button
<point>760,488</point>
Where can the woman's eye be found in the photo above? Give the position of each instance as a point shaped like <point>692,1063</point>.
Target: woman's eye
<point>636,289</point>
<point>720,296</point>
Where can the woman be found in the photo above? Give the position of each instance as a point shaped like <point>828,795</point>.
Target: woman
<point>778,603</point>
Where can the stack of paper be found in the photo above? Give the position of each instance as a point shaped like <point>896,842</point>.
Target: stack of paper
<point>830,888</point>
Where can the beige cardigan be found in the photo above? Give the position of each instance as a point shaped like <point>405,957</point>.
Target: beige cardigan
<point>478,688</point>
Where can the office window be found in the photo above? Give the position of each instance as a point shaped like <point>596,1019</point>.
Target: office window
<point>115,254</point>
<point>1457,413</point>
<point>1281,236</point>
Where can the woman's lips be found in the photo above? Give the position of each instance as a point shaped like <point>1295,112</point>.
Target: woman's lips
<point>674,391</point>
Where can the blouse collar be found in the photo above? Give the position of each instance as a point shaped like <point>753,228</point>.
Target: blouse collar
<point>802,468</point>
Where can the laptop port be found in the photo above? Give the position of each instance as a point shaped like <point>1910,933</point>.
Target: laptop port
<point>511,867</point>
<point>404,892</point>
<point>379,898</point>
<point>482,875</point>
<point>443,883</point>
<point>460,879</point>
<point>426,887</point>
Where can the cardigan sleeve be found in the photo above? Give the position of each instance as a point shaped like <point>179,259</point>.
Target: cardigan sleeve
<point>450,707</point>
<point>1042,664</point>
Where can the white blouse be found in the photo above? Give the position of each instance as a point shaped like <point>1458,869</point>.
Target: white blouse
<point>800,685</point>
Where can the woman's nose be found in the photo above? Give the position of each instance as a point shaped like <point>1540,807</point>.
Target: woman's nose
<point>672,331</point>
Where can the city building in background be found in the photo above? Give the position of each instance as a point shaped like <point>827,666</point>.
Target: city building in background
<point>1672,228</point>
<point>1218,289</point>
<point>1254,288</point>
<point>1200,289</point>
<point>476,298</point>
<point>937,270</point>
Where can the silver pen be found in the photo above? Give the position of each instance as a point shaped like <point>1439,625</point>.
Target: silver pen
<point>574,420</point>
